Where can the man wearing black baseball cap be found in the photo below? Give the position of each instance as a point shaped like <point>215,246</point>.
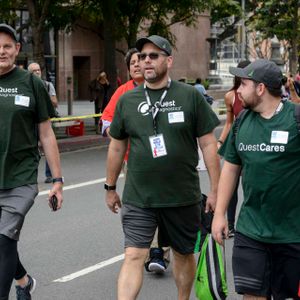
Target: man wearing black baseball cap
<point>164,120</point>
<point>264,142</point>
<point>21,115</point>
<point>9,30</point>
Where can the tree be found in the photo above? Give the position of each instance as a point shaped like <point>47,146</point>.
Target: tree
<point>281,19</point>
<point>124,20</point>
<point>44,15</point>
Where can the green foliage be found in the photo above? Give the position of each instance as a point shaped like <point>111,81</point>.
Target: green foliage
<point>275,18</point>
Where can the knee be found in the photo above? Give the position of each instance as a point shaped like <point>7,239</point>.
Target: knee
<point>183,258</point>
<point>136,255</point>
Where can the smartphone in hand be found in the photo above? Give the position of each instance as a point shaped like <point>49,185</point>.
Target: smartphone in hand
<point>53,203</point>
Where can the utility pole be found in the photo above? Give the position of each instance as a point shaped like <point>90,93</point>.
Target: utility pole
<point>243,46</point>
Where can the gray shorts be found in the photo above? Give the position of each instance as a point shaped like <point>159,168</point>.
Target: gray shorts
<point>14,205</point>
<point>178,227</point>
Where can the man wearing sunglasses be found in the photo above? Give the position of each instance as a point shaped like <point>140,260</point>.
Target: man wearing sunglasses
<point>164,121</point>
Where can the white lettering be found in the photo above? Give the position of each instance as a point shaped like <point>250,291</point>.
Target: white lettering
<point>263,147</point>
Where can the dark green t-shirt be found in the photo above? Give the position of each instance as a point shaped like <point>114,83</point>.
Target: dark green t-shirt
<point>170,180</point>
<point>20,113</point>
<point>269,152</point>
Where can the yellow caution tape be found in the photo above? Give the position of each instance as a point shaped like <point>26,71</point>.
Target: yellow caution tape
<point>74,118</point>
<point>62,119</point>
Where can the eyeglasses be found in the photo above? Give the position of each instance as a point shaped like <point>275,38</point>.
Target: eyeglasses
<point>151,55</point>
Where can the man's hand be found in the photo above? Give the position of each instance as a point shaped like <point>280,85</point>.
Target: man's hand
<point>113,201</point>
<point>211,202</point>
<point>57,191</point>
<point>219,228</point>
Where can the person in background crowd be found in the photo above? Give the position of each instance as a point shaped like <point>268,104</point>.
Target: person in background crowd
<point>23,117</point>
<point>266,146</point>
<point>163,119</point>
<point>200,87</point>
<point>292,88</point>
<point>99,88</point>
<point>36,69</point>
<point>233,108</point>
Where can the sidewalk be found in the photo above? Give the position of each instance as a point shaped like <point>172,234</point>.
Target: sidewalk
<point>90,138</point>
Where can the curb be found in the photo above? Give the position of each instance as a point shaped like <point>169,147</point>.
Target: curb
<point>81,142</point>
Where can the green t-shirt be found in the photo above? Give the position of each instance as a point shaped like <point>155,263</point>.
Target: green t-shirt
<point>269,152</point>
<point>170,180</point>
<point>20,113</point>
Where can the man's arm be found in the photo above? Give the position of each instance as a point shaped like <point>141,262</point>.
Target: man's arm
<point>208,146</point>
<point>48,141</point>
<point>228,179</point>
<point>52,94</point>
<point>115,157</point>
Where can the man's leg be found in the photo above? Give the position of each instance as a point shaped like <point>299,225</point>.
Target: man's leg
<point>8,264</point>
<point>131,274</point>
<point>21,274</point>
<point>184,268</point>
<point>158,257</point>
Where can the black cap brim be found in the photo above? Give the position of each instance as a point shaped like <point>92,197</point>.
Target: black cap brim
<point>238,72</point>
<point>155,40</point>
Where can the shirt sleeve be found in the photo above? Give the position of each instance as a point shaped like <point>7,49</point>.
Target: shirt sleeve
<point>52,91</point>
<point>117,128</point>
<point>109,110</point>
<point>229,151</point>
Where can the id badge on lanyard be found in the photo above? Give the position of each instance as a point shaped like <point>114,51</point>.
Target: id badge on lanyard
<point>158,146</point>
<point>157,142</point>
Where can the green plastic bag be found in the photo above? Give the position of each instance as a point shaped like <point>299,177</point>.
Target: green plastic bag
<point>210,281</point>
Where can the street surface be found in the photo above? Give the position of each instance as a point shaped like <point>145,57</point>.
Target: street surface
<point>76,253</point>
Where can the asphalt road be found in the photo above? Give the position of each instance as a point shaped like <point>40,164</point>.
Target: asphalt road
<point>76,253</point>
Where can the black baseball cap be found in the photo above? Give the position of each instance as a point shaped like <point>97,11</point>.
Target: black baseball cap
<point>160,42</point>
<point>261,70</point>
<point>9,30</point>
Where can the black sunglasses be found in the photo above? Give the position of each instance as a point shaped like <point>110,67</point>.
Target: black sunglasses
<point>151,55</point>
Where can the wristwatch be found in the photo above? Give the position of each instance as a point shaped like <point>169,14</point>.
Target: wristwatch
<point>109,187</point>
<point>58,179</point>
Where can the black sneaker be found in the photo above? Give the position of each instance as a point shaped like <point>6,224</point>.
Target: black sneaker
<point>26,292</point>
<point>48,180</point>
<point>157,266</point>
<point>156,263</point>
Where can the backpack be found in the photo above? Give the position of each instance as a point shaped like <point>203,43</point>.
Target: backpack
<point>243,113</point>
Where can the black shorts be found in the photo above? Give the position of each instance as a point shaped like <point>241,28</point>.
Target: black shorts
<point>264,269</point>
<point>178,227</point>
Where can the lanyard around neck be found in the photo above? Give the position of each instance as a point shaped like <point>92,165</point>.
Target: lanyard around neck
<point>154,108</point>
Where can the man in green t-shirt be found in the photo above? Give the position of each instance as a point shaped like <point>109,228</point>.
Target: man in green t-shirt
<point>25,108</point>
<point>164,121</point>
<point>265,144</point>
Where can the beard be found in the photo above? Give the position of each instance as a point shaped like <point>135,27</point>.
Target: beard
<point>252,102</point>
<point>156,75</point>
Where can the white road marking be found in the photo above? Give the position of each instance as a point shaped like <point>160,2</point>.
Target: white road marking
<point>96,266</point>
<point>78,185</point>
<point>90,269</point>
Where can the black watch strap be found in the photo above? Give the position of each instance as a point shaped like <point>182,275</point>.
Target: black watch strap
<point>58,179</point>
<point>109,187</point>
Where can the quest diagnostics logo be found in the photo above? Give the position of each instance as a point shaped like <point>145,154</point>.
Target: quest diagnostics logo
<point>143,108</point>
<point>166,106</point>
